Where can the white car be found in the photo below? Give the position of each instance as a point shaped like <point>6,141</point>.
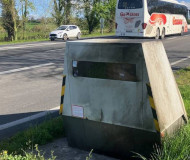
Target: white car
<point>65,32</point>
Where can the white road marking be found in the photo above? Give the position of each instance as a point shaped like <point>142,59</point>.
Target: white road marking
<point>184,59</point>
<point>171,38</point>
<point>27,119</point>
<point>54,50</point>
<point>25,68</point>
<point>25,46</point>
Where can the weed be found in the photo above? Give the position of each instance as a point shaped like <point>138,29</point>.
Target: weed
<point>37,155</point>
<point>90,155</point>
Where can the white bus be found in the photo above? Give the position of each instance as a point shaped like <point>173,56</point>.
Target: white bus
<point>150,18</point>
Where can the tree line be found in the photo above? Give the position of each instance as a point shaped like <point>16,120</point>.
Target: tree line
<point>15,14</point>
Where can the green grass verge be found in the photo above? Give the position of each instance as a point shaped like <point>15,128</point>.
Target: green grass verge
<point>95,34</point>
<point>40,134</point>
<point>177,147</point>
<point>98,34</point>
<point>24,41</point>
<point>173,148</point>
<point>183,81</point>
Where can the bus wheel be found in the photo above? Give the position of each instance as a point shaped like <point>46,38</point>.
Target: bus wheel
<point>182,32</point>
<point>157,33</point>
<point>163,33</point>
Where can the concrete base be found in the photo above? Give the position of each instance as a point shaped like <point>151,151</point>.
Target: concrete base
<point>109,139</point>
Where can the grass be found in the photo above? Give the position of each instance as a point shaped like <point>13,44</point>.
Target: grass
<point>47,39</point>
<point>24,41</point>
<point>173,148</point>
<point>36,32</point>
<point>33,32</point>
<point>40,134</point>
<point>96,34</point>
<point>183,81</point>
<point>177,147</point>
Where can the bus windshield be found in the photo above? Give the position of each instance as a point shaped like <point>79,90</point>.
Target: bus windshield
<point>130,4</point>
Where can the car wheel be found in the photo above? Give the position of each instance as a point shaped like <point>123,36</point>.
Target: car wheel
<point>65,37</point>
<point>157,33</point>
<point>79,35</point>
<point>163,33</point>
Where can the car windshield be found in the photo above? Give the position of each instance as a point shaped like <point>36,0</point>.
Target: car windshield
<point>130,4</point>
<point>62,28</point>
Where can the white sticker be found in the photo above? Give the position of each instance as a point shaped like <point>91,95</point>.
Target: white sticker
<point>77,111</point>
<point>75,63</point>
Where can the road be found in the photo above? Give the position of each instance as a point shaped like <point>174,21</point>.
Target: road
<point>34,86</point>
<point>31,77</point>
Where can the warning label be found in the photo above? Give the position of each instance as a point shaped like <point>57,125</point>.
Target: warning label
<point>77,111</point>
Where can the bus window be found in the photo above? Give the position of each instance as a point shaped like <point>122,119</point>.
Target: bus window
<point>130,4</point>
<point>158,6</point>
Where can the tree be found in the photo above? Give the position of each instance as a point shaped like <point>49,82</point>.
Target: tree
<point>91,14</point>
<point>62,11</point>
<point>26,5</point>
<point>106,10</point>
<point>111,5</point>
<point>9,18</point>
<point>68,6</point>
<point>96,9</point>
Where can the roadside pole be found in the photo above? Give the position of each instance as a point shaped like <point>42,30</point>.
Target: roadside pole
<point>102,25</point>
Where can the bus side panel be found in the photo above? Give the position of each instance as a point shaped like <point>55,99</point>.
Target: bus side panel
<point>156,21</point>
<point>185,25</point>
<point>178,23</point>
<point>173,24</point>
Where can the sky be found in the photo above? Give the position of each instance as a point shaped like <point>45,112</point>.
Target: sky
<point>187,2</point>
<point>44,7</point>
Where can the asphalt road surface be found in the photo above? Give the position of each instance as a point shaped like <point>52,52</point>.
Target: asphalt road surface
<point>31,77</point>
